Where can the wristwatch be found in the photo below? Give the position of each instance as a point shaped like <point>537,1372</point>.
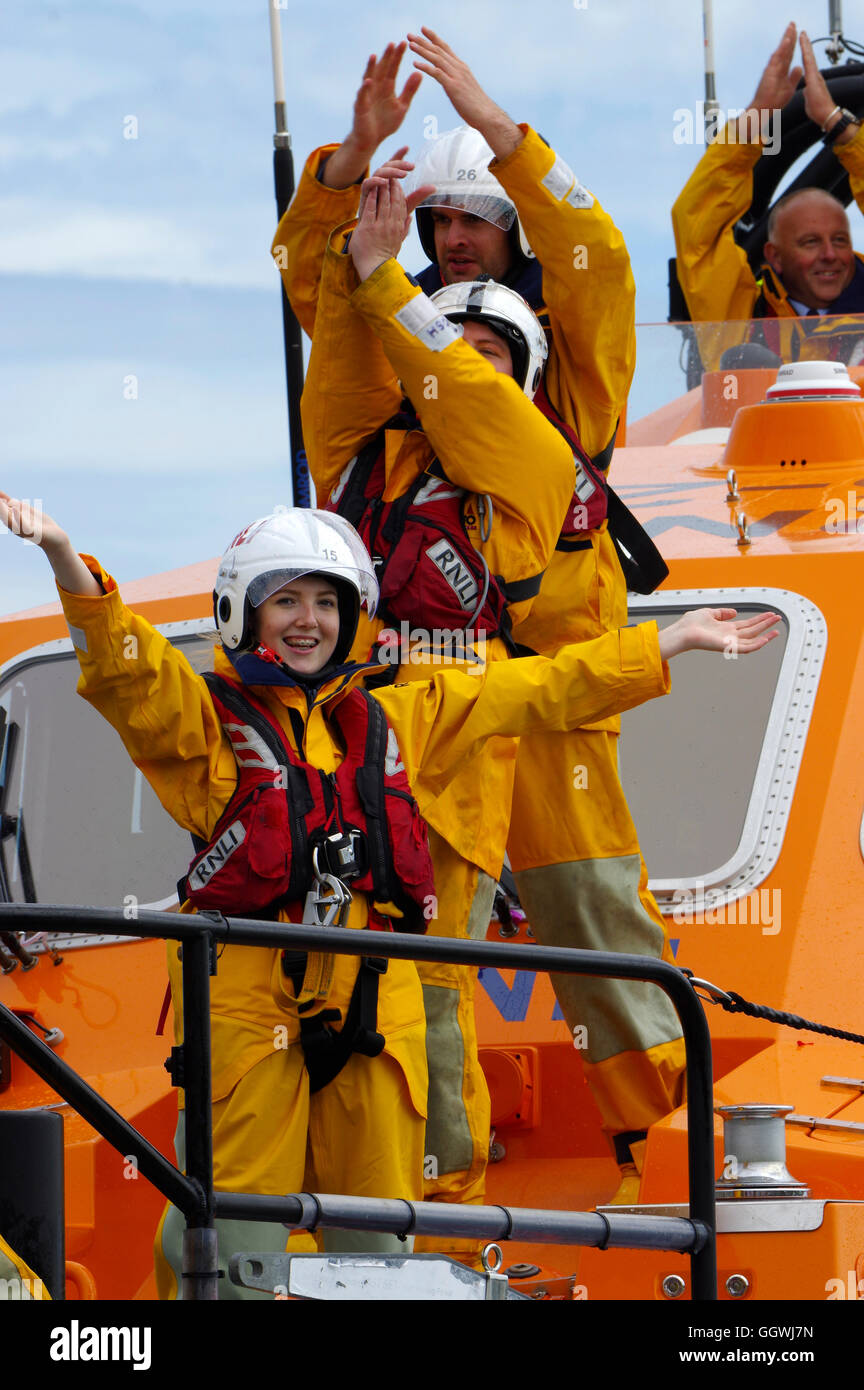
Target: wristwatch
<point>847,118</point>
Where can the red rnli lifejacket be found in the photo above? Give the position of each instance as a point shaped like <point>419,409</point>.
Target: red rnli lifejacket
<point>428,570</point>
<point>259,856</point>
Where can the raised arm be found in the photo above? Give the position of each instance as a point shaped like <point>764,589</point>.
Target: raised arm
<point>351,388</point>
<point>329,189</point>
<point>588,289</point>
<point>588,286</point>
<point>142,685</point>
<point>469,100</point>
<point>822,108</point>
<point>713,271</point>
<point>32,524</point>
<point>378,113</point>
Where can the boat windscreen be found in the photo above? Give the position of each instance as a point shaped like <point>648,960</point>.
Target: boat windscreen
<point>725,365</point>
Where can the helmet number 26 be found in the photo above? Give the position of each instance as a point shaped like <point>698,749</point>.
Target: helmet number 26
<point>466,174</point>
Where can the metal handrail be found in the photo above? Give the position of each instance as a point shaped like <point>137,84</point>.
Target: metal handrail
<point>193,1193</point>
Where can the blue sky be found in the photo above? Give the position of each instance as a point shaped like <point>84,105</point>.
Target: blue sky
<point>147,258</point>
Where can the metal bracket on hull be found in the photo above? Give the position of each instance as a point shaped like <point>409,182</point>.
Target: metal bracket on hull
<point>394,1278</point>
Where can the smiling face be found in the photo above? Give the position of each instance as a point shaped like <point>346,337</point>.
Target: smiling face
<point>467,246</point>
<point>811,249</point>
<point>300,623</point>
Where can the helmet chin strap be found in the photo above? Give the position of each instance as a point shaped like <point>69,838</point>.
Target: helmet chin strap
<point>267,654</point>
<point>262,666</point>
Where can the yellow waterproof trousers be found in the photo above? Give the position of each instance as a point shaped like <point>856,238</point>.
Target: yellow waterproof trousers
<point>457,1128</point>
<point>17,1279</point>
<point>363,1130</point>
<point>583,884</point>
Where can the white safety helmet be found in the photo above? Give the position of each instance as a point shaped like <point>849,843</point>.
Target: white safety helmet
<point>509,315</point>
<point>457,163</point>
<point>284,546</point>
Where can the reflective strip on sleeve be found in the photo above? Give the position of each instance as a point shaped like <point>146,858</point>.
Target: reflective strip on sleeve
<point>579,197</point>
<point>559,180</point>
<point>79,637</point>
<point>439,334</point>
<point>420,317</point>
<point>417,312</point>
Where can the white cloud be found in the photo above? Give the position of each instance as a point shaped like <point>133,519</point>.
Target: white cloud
<point>39,238</point>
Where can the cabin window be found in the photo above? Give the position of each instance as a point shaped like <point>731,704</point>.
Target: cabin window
<point>710,770</point>
<point>81,824</point>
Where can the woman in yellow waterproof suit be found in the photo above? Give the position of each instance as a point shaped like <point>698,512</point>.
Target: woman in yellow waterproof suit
<point>572,843</point>
<point>365,1129</point>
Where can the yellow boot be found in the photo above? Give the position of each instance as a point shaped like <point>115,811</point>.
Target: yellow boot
<point>630,1153</point>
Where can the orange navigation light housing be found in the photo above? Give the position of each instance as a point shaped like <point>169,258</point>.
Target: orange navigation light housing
<point>791,427</point>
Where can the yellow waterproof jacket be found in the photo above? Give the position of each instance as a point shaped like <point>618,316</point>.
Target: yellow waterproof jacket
<point>588,289</point>
<point>589,297</point>
<point>588,285</point>
<point>369,338</point>
<point>713,270</point>
<point>163,712</point>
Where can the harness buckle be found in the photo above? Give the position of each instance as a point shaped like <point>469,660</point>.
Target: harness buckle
<point>341,854</point>
<point>327,901</point>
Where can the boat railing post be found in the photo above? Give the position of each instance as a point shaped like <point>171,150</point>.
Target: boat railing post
<point>200,1275</point>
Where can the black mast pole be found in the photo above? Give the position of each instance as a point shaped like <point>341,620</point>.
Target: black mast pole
<point>283,177</point>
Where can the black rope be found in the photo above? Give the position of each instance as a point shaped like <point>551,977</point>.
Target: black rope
<point>734,1004</point>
